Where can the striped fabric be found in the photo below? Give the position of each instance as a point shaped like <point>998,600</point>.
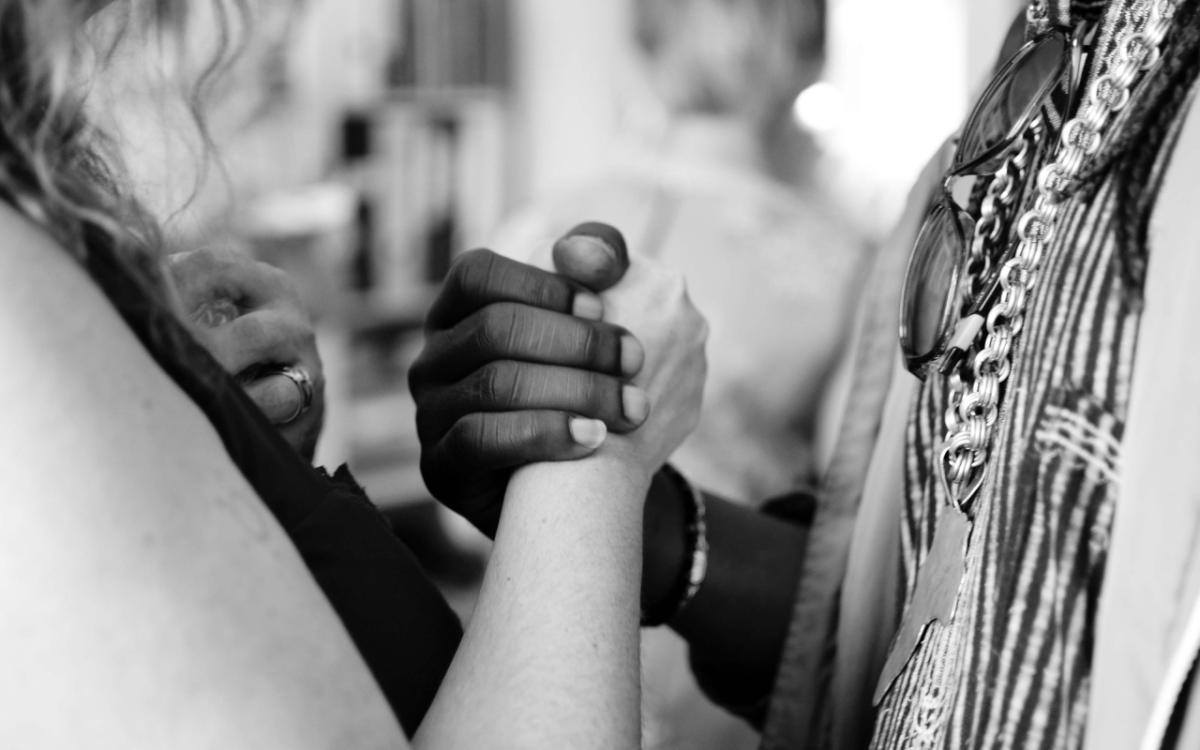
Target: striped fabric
<point>1011,670</point>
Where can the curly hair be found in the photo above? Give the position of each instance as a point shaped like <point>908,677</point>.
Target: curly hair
<point>56,166</point>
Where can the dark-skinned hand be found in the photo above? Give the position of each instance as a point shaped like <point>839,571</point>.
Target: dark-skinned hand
<point>519,366</point>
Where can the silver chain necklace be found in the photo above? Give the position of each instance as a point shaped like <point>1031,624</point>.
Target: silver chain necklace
<point>971,418</point>
<point>1130,42</point>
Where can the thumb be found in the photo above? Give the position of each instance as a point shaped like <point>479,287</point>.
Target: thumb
<point>592,255</point>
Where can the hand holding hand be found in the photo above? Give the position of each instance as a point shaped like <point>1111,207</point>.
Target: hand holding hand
<point>518,367</point>
<point>249,317</point>
<point>652,303</point>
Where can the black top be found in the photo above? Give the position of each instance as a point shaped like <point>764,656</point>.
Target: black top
<point>399,621</point>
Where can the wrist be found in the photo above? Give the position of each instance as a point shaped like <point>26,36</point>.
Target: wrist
<point>675,547</point>
<point>627,477</point>
<point>663,550</point>
<point>604,504</point>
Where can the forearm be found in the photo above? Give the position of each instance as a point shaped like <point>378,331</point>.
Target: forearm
<point>550,657</point>
<point>737,623</point>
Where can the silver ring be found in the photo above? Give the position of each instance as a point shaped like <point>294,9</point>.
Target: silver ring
<point>303,382</point>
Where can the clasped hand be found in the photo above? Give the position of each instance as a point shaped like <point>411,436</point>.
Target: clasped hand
<point>251,319</point>
<point>522,365</point>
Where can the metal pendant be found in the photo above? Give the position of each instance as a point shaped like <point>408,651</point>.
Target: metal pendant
<point>960,493</point>
<point>933,598</point>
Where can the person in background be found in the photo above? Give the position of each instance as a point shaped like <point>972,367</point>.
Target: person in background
<point>712,177</point>
<point>1001,553</point>
<point>173,573</point>
<point>696,184</point>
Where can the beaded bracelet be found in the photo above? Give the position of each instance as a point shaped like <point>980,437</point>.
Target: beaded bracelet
<point>692,575</point>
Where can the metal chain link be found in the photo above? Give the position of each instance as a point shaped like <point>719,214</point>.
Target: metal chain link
<point>1037,16</point>
<point>997,200</point>
<point>974,407</point>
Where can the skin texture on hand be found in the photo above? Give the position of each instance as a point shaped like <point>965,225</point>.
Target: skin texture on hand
<point>518,367</point>
<point>250,318</point>
<point>653,303</point>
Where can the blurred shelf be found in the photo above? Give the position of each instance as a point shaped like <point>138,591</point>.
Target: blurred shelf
<point>384,450</point>
<point>448,97</point>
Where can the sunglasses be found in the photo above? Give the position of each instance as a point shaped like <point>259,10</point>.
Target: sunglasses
<point>954,271</point>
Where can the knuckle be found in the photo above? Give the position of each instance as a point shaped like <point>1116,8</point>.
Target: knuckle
<point>253,331</point>
<point>494,383</point>
<point>277,276</point>
<point>464,438</point>
<point>214,259</point>
<point>591,343</point>
<point>482,385</point>
<point>515,432</point>
<point>218,256</point>
<point>454,275</point>
<point>470,258</point>
<point>475,270</point>
<point>599,393</point>
<point>278,287</point>
<point>498,325</point>
<point>543,290</point>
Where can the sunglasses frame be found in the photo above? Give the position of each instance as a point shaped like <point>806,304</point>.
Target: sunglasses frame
<point>1070,67</point>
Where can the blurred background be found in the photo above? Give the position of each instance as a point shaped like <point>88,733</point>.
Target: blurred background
<point>763,146</point>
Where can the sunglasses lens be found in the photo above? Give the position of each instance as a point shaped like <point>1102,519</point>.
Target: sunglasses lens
<point>930,284</point>
<point>1034,81</point>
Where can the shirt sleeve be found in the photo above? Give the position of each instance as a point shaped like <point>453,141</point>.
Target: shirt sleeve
<point>729,689</point>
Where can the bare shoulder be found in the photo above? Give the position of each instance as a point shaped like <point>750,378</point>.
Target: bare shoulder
<point>73,371</point>
<point>82,393</point>
<point>145,591</point>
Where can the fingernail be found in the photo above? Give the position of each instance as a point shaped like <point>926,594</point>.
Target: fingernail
<point>633,356</point>
<point>635,404</point>
<point>605,234</point>
<point>589,433</point>
<point>587,306</point>
<point>589,260</point>
<point>600,252</point>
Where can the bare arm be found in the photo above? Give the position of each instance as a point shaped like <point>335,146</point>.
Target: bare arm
<point>557,622</point>
<point>553,643</point>
<point>147,599</point>
<point>754,560</point>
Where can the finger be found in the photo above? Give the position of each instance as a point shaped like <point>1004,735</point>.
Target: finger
<point>214,313</point>
<point>518,332</point>
<point>277,396</point>
<point>502,440</point>
<point>466,466</point>
<point>592,254</point>
<point>262,337</point>
<point>515,386</point>
<point>206,274</point>
<point>480,278</point>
